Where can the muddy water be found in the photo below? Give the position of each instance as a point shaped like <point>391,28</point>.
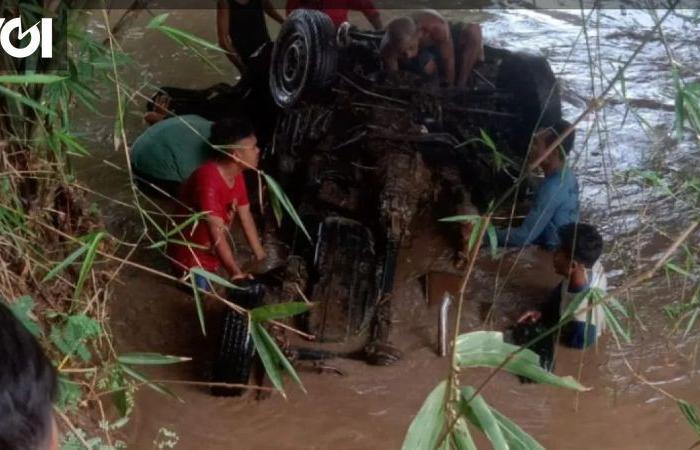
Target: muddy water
<point>370,407</point>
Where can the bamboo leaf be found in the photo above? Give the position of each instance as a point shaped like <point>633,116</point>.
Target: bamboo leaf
<point>65,263</point>
<point>691,322</point>
<point>278,311</point>
<point>88,261</point>
<point>155,386</point>
<point>26,101</point>
<point>480,414</point>
<point>516,437</point>
<point>267,357</point>
<point>31,78</point>
<point>276,209</point>
<point>157,21</point>
<point>577,302</point>
<point>277,192</point>
<point>426,427</point>
<point>184,36</point>
<point>493,239</point>
<point>463,218</point>
<point>279,356</point>
<point>198,303</point>
<point>151,359</point>
<point>690,415</point>
<point>213,277</point>
<point>194,218</point>
<point>674,268</point>
<point>615,325</point>
<point>487,349</point>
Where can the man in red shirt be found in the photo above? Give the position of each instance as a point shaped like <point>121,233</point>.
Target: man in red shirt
<point>338,10</point>
<point>218,189</point>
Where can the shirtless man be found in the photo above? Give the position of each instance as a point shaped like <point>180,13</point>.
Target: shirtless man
<point>427,43</point>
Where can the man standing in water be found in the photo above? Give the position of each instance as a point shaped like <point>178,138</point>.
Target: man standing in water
<point>576,260</point>
<point>168,152</point>
<point>556,200</point>
<point>217,189</point>
<point>426,43</point>
<point>338,10</point>
<point>241,28</point>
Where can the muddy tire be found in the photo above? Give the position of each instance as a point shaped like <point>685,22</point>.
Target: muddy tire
<point>344,291</point>
<point>236,349</point>
<point>304,59</point>
<point>235,357</point>
<point>534,88</point>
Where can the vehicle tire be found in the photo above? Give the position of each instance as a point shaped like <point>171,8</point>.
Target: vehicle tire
<point>236,349</point>
<point>305,57</point>
<point>534,87</point>
<point>344,291</point>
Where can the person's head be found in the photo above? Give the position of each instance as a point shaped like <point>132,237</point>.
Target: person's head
<point>544,138</point>
<point>235,137</point>
<point>401,38</point>
<point>27,389</point>
<point>580,247</point>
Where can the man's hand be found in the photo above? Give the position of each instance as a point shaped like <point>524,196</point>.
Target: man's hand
<point>260,255</point>
<point>242,276</point>
<point>530,317</point>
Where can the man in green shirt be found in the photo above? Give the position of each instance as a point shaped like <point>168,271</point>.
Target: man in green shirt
<point>168,152</point>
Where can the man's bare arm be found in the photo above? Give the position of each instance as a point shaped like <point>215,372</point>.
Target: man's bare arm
<point>375,19</point>
<point>271,11</point>
<point>251,231</point>
<point>217,230</point>
<point>443,39</point>
<point>224,37</point>
<point>389,58</point>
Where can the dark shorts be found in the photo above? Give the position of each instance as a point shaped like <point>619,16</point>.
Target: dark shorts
<point>432,53</point>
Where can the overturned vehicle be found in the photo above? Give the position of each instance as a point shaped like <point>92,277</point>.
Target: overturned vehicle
<point>359,151</point>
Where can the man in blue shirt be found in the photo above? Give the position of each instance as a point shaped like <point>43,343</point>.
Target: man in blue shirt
<point>556,200</point>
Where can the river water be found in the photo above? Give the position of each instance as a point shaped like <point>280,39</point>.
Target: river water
<point>369,407</point>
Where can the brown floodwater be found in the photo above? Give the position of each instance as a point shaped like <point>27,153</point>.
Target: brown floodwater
<point>369,407</point>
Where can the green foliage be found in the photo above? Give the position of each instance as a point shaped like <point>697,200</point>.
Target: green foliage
<point>69,393</point>
<point>72,334</point>
<point>690,414</point>
<point>426,428</point>
<point>150,359</point>
<point>474,407</point>
<point>22,309</point>
<point>487,349</point>
<point>187,40</point>
<point>278,311</point>
<point>429,429</point>
<point>279,200</point>
<point>478,223</point>
<point>687,106</point>
<point>272,358</point>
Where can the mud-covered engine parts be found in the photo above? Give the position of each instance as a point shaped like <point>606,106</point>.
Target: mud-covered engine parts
<point>407,181</point>
<point>305,57</point>
<point>344,291</point>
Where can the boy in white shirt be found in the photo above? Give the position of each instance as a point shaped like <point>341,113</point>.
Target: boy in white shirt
<point>576,260</point>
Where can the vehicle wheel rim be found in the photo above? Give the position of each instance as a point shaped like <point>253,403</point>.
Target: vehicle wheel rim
<point>293,64</point>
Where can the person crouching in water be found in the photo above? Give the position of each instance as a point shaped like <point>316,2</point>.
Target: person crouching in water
<point>217,188</point>
<point>577,261</point>
<point>427,44</point>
